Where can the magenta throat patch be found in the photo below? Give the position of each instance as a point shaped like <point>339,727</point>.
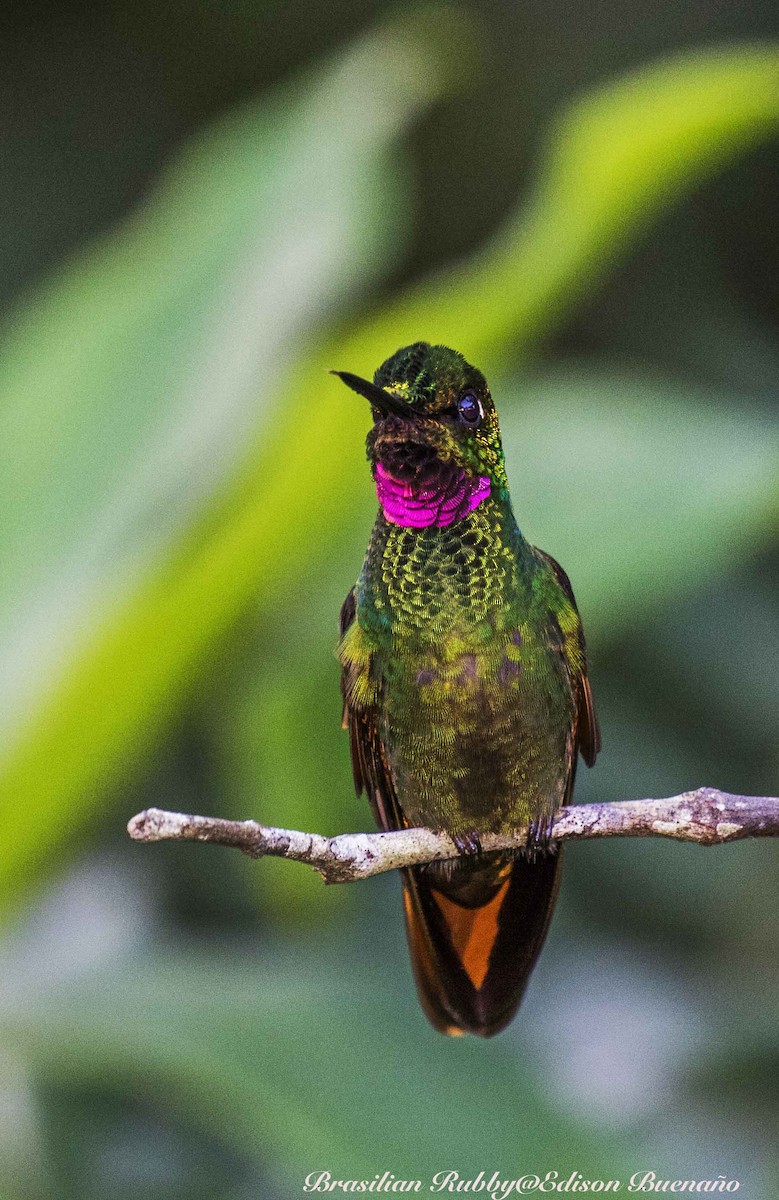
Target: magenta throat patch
<point>432,504</point>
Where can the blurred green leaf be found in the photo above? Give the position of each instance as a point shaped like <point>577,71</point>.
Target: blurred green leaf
<point>316,1064</point>
<point>615,159</point>
<point>128,387</point>
<point>641,487</point>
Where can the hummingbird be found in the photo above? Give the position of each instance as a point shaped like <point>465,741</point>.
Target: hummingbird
<point>464,683</point>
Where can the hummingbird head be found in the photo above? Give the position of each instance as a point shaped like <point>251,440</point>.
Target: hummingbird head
<point>435,444</point>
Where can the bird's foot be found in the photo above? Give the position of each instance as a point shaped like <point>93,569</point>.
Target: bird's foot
<point>539,838</point>
<point>467,843</point>
<point>540,830</point>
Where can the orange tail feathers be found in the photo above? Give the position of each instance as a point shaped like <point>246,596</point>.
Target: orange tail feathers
<point>471,961</point>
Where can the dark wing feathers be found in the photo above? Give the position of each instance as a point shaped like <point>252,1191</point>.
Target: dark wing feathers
<point>369,759</point>
<point>587,727</point>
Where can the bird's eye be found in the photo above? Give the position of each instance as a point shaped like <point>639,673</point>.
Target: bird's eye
<point>470,409</point>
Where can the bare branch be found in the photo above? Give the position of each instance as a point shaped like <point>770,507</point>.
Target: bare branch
<point>706,816</point>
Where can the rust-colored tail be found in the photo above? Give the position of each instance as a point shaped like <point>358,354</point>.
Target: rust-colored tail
<point>475,934</point>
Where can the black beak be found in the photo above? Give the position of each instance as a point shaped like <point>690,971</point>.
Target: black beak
<point>385,402</point>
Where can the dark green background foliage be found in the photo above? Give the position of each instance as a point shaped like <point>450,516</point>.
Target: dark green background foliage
<point>204,208</point>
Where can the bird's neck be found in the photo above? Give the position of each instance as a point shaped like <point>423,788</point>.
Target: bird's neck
<point>429,579</point>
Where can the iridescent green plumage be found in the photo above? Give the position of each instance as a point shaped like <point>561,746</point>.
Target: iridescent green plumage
<point>465,690</point>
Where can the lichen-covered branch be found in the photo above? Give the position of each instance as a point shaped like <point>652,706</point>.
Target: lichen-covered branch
<point>706,816</point>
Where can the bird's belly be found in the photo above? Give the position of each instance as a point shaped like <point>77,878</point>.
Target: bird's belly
<point>479,740</point>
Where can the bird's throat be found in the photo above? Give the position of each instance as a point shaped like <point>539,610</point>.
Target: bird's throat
<point>438,502</point>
